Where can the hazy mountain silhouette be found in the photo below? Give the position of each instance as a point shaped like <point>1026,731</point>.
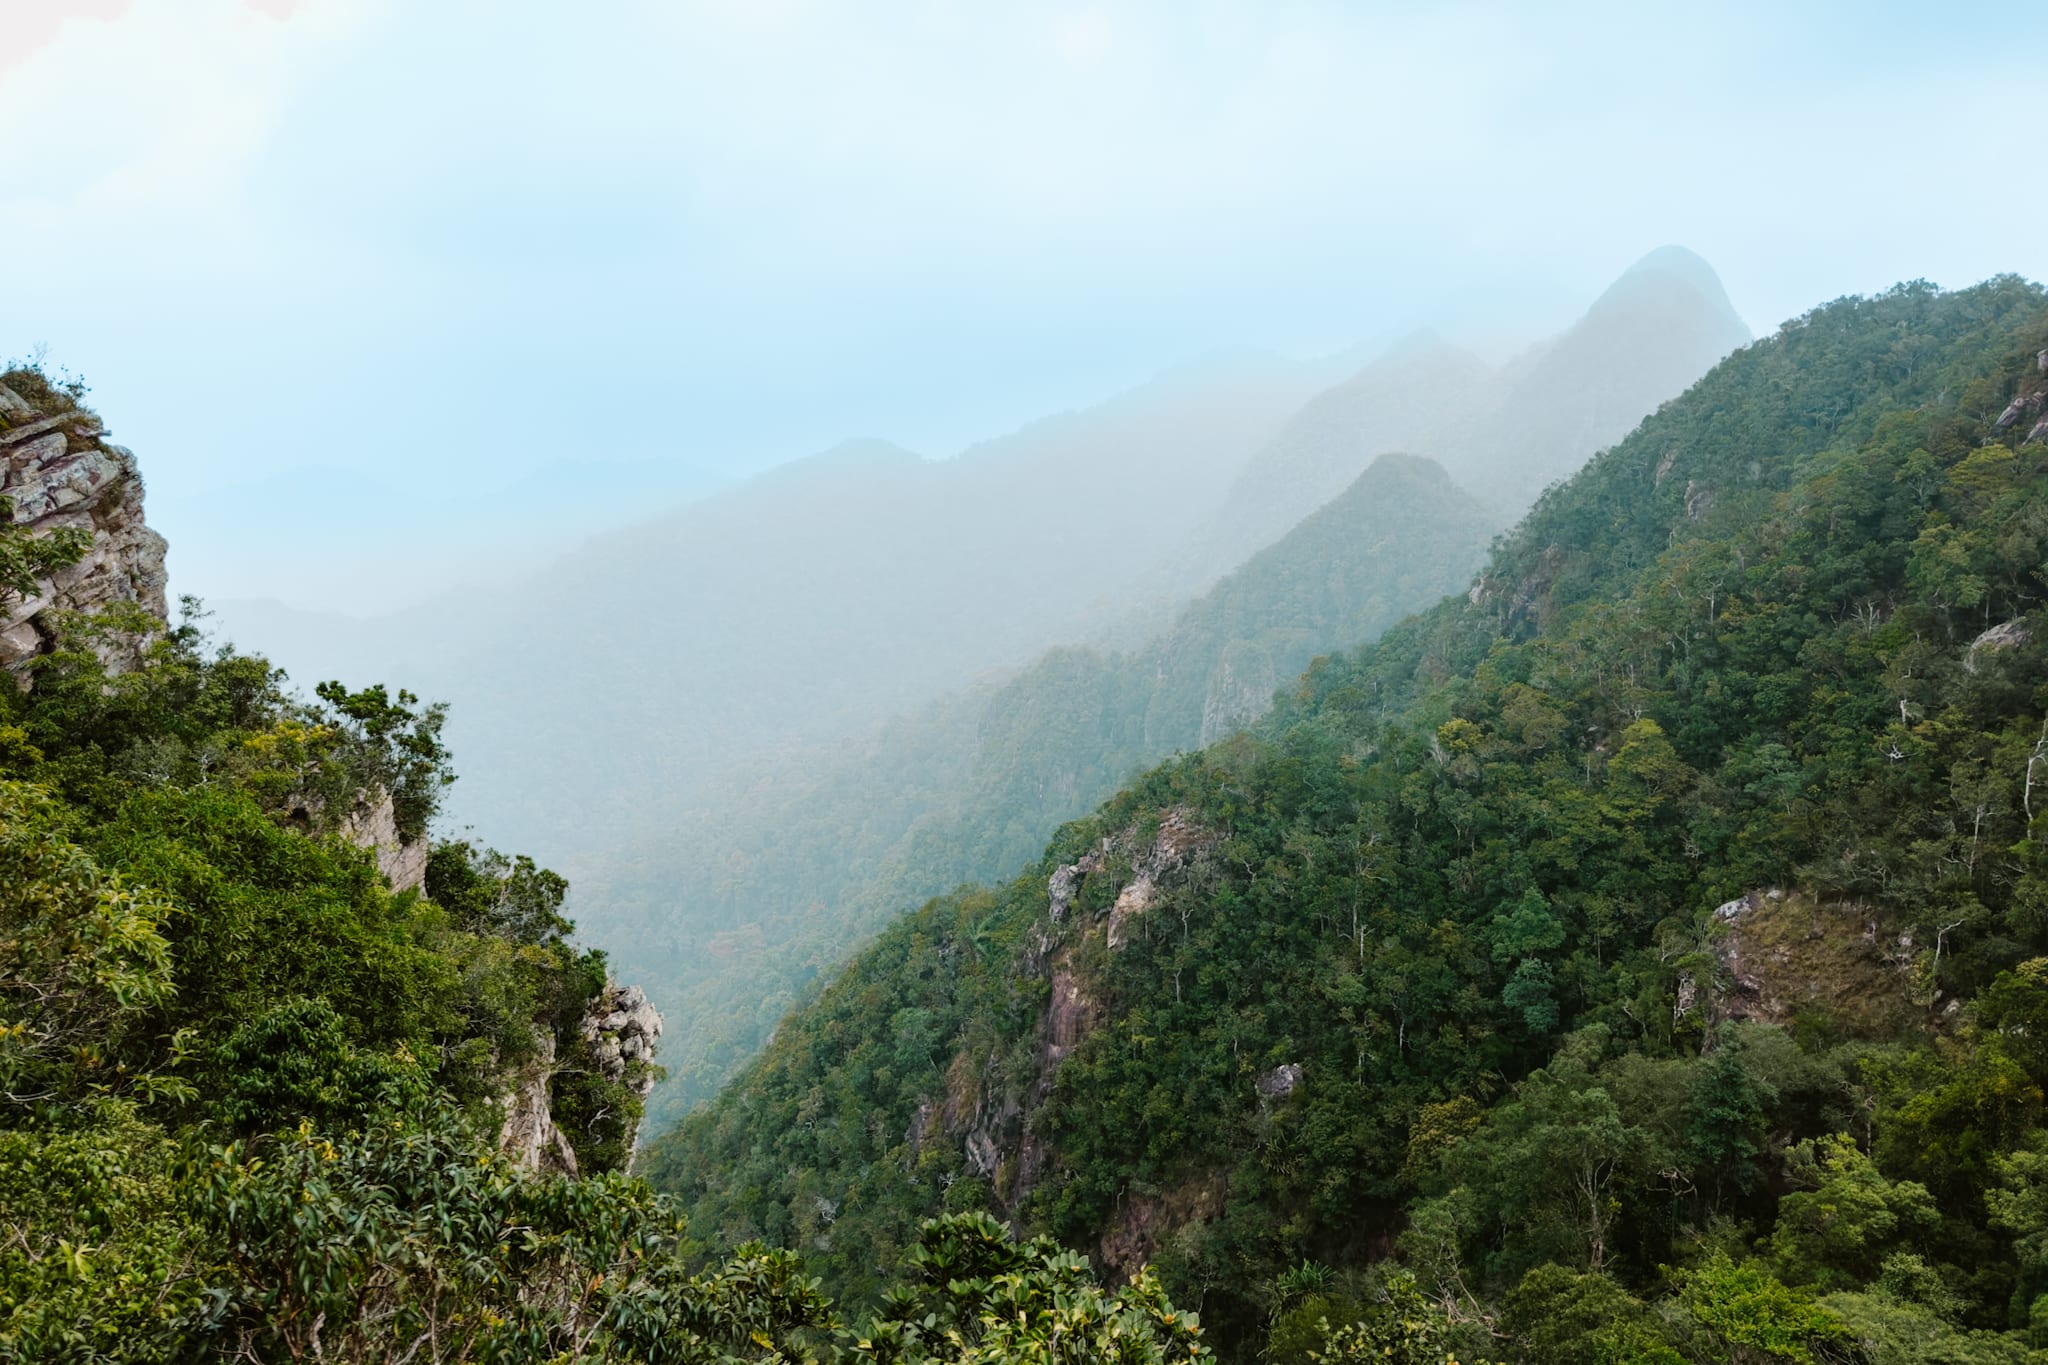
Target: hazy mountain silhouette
<point>1504,432</point>
<point>736,908</point>
<point>692,715</point>
<point>794,608</point>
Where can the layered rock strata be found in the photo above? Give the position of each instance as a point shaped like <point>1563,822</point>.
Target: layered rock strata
<point>59,470</point>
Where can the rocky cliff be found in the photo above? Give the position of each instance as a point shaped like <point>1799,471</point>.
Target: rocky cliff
<point>61,475</point>
<point>59,470</point>
<point>615,1042</point>
<point>1095,907</point>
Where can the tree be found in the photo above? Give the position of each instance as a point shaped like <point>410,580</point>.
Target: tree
<point>1559,1317</point>
<point>1399,1326</point>
<point>1757,1320</point>
<point>975,1297</point>
<point>82,956</point>
<point>1836,1230</point>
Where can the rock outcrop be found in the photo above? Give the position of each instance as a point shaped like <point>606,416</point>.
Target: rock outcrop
<point>2029,405</point>
<point>616,1038</point>
<point>1782,957</point>
<point>620,1029</point>
<point>372,823</point>
<point>1241,688</point>
<point>59,470</point>
<point>529,1134</point>
<point>989,1110</point>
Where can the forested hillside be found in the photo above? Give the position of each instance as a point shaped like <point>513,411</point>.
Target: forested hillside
<point>283,1077</point>
<point>733,916</point>
<point>752,728</point>
<point>1639,958</point>
<point>791,859</point>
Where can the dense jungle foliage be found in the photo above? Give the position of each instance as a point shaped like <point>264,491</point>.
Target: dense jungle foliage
<point>796,869</point>
<point>1641,959</point>
<point>250,1096</point>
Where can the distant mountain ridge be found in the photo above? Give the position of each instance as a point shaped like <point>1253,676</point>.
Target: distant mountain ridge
<point>680,714</point>
<point>795,608</point>
<point>1579,957</point>
<point>738,907</point>
<point>1504,432</point>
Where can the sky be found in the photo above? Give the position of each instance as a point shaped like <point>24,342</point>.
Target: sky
<point>340,269</point>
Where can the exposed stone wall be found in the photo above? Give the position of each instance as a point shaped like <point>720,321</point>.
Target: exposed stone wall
<point>990,1113</point>
<point>529,1135</point>
<point>618,1033</point>
<point>61,471</point>
<point>621,1028</point>
<point>373,824</point>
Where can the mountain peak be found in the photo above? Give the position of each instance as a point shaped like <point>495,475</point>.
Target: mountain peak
<point>1656,274</point>
<point>1395,466</point>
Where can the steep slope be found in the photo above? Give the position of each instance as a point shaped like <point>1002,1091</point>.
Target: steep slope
<point>804,605</point>
<point>1421,395</point>
<point>1653,332</point>
<point>1503,433</point>
<point>785,861</point>
<point>737,908</point>
<point>1468,950</point>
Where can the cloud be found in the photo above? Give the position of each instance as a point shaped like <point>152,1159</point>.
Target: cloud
<point>142,127</point>
<point>777,222</point>
<point>29,26</point>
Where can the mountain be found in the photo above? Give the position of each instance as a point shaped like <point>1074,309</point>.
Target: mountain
<point>1504,432</point>
<point>758,888</point>
<point>1645,946</point>
<point>735,910</point>
<point>812,603</point>
<point>592,699</point>
<point>752,727</point>
<point>281,1081</point>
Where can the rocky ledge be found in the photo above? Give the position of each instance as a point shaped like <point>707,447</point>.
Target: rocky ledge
<point>59,470</point>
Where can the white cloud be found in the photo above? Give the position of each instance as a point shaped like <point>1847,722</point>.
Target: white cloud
<point>138,132</point>
<point>778,222</point>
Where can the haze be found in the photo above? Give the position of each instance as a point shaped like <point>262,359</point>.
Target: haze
<point>395,295</point>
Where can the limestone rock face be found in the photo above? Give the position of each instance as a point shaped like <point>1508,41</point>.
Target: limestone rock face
<point>372,823</point>
<point>618,1032</point>
<point>60,471</point>
<point>529,1135</point>
<point>1279,1083</point>
<point>1779,955</point>
<point>1240,690</point>
<point>989,1112</point>
<point>621,1027</point>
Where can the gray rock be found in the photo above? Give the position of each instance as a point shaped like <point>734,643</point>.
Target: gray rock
<point>1240,690</point>
<point>528,1133</point>
<point>621,1027</point>
<point>2006,635</point>
<point>1729,910</point>
<point>1699,500</point>
<point>58,474</point>
<point>372,823</point>
<point>73,420</point>
<point>1280,1081</point>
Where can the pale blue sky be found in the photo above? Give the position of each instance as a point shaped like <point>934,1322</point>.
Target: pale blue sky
<point>386,244</point>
